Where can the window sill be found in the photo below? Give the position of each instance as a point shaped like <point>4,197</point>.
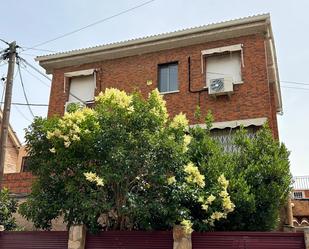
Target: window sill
<point>235,83</point>
<point>163,93</point>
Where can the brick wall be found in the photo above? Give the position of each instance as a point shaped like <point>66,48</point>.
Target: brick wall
<point>255,98</point>
<point>18,183</point>
<point>301,208</point>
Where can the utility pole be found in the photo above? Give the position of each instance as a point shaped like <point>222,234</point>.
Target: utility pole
<point>11,54</point>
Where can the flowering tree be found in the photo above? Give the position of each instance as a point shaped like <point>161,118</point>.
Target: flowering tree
<point>122,165</point>
<point>8,207</point>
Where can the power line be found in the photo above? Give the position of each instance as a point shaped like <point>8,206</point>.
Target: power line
<point>38,71</point>
<point>32,55</point>
<point>34,68</point>
<point>22,114</point>
<point>37,49</point>
<point>295,82</point>
<point>26,104</point>
<point>299,88</point>
<point>36,77</point>
<point>4,41</point>
<point>23,87</point>
<point>91,24</point>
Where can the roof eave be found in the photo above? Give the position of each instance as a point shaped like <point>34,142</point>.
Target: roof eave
<point>211,32</point>
<point>275,69</point>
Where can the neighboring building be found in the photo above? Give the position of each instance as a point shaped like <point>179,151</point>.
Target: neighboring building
<point>300,200</point>
<point>12,151</point>
<point>229,68</point>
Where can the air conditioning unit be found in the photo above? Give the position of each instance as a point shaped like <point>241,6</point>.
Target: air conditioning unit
<point>220,86</point>
<point>70,104</point>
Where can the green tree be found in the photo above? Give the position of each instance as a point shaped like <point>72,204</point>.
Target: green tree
<point>258,171</point>
<point>122,165</point>
<point>8,206</point>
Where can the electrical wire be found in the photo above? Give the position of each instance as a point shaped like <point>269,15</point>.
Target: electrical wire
<point>299,88</point>
<point>38,71</point>
<point>22,114</point>
<point>32,55</point>
<point>91,24</point>
<point>4,41</point>
<point>23,87</point>
<point>34,68</point>
<point>36,77</point>
<point>26,104</point>
<point>295,82</point>
<point>23,48</point>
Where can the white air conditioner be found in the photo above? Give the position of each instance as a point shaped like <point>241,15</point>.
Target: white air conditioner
<point>220,86</point>
<point>67,104</point>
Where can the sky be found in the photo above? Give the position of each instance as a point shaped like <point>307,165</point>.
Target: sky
<point>34,21</point>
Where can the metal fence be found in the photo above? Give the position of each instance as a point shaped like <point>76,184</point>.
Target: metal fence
<point>154,240</point>
<point>130,240</point>
<point>248,240</point>
<point>34,240</point>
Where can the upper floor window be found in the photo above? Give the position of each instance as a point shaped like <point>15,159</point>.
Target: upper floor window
<point>168,77</point>
<point>223,62</point>
<point>81,86</point>
<point>298,195</point>
<point>82,89</point>
<point>223,66</point>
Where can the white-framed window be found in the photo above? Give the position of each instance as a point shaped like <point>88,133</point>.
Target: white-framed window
<point>298,195</point>
<point>168,77</point>
<point>227,65</point>
<point>82,86</point>
<point>223,62</point>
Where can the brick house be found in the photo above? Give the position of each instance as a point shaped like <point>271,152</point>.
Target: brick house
<point>229,68</point>
<point>300,200</point>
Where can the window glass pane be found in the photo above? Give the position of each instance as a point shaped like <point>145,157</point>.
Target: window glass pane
<point>163,78</point>
<point>168,77</point>
<point>173,77</point>
<point>82,87</point>
<point>226,65</point>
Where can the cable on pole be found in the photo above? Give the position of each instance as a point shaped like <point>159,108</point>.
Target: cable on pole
<point>7,43</point>
<point>34,68</point>
<point>38,71</point>
<point>26,104</point>
<point>23,87</point>
<point>36,77</point>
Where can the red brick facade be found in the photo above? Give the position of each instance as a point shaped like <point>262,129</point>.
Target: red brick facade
<point>18,183</point>
<point>253,99</point>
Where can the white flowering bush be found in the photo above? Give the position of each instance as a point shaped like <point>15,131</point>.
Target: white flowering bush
<point>121,165</point>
